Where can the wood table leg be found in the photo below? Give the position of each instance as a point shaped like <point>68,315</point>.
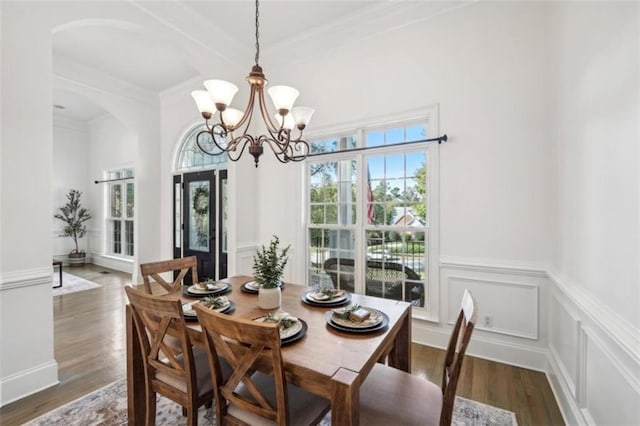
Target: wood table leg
<point>400,355</point>
<point>136,390</point>
<point>345,401</point>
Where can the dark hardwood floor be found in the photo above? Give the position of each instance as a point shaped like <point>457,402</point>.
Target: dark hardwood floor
<point>90,350</point>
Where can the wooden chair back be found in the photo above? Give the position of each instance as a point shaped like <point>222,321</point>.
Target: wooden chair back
<point>167,365</point>
<point>458,342</point>
<point>181,265</point>
<point>242,343</point>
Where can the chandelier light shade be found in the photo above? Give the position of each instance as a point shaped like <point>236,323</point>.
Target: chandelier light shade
<point>229,133</point>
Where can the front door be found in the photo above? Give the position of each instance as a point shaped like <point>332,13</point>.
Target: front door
<point>200,221</point>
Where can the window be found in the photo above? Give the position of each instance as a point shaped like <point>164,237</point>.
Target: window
<point>370,214</point>
<point>120,214</point>
<point>191,156</point>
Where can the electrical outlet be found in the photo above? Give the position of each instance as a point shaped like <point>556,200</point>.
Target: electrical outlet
<point>487,321</point>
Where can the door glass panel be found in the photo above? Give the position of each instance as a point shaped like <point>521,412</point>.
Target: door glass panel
<point>223,230</point>
<point>177,220</point>
<point>199,210</point>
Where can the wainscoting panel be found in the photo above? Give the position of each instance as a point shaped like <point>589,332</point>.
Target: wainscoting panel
<point>244,260</point>
<point>611,394</point>
<point>509,308</point>
<point>511,302</point>
<point>564,342</point>
<point>594,364</point>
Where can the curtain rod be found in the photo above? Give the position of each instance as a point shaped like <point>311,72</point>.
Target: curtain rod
<point>112,180</point>
<point>439,139</point>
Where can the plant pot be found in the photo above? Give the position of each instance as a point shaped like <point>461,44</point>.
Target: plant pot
<point>77,259</point>
<point>269,298</point>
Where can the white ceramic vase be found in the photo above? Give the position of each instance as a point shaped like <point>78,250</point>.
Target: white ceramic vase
<point>269,298</point>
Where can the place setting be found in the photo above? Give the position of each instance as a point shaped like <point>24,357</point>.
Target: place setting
<point>253,286</point>
<point>208,288</point>
<point>292,329</point>
<point>357,319</point>
<point>220,304</point>
<point>326,297</point>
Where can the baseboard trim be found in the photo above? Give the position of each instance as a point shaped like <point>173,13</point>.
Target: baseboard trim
<point>562,393</point>
<point>533,358</point>
<point>28,382</point>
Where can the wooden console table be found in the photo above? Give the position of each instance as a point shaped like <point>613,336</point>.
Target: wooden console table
<point>58,263</point>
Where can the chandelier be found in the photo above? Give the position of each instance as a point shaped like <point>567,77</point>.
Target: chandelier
<point>230,134</point>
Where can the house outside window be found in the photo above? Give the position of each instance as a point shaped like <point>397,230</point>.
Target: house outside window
<point>120,214</point>
<point>370,217</point>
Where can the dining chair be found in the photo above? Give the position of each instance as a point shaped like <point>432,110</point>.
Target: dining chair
<point>179,373</point>
<point>249,397</point>
<point>154,269</point>
<point>391,396</point>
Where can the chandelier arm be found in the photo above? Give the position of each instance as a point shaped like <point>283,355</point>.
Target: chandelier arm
<point>264,111</point>
<point>239,141</point>
<point>279,150</point>
<point>248,112</point>
<point>277,142</point>
<point>299,146</point>
<point>213,138</point>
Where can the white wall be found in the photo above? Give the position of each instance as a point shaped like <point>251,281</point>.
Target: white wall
<point>485,65</point>
<point>27,171</point>
<point>28,362</point>
<point>594,57</point>
<point>112,146</point>
<point>70,171</point>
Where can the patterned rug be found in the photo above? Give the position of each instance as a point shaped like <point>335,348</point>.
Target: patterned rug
<point>108,406</point>
<point>71,284</point>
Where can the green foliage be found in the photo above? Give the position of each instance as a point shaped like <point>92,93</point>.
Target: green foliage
<point>74,216</point>
<point>421,190</point>
<point>268,263</point>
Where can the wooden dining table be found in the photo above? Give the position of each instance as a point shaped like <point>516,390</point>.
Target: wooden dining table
<point>326,361</point>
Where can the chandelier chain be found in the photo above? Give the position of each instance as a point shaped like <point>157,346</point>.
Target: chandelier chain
<point>257,33</point>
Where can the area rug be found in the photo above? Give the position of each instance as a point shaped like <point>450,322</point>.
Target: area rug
<point>108,406</point>
<point>71,284</point>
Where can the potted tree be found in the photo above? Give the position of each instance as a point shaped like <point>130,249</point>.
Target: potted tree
<point>268,267</point>
<point>74,216</point>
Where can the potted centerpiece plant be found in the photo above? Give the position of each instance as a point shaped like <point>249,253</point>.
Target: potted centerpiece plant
<point>74,217</point>
<point>268,267</point>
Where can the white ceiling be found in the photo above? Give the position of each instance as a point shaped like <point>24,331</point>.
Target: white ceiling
<point>150,64</point>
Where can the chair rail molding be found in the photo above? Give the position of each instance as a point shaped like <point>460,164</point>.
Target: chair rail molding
<point>26,278</point>
<point>491,266</point>
<point>622,332</point>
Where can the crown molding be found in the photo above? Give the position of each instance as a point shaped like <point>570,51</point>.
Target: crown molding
<point>79,78</point>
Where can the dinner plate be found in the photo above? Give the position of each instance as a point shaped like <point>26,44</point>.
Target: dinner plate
<point>190,314</point>
<point>320,297</point>
<point>291,334</point>
<point>380,326</point>
<point>327,303</point>
<point>215,288</point>
<point>253,287</point>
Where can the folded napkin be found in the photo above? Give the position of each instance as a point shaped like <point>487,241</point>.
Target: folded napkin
<point>215,302</point>
<point>326,294</point>
<point>285,319</point>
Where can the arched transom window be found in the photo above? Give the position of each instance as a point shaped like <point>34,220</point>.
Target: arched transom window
<point>192,158</point>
